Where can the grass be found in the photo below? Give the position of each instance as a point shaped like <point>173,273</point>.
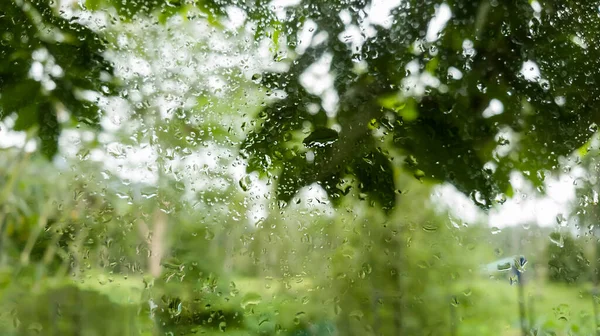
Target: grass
<point>490,307</point>
<point>482,306</point>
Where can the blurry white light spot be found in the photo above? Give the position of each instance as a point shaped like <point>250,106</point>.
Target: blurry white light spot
<point>379,12</point>
<point>494,108</point>
<point>438,22</point>
<point>36,72</point>
<point>531,71</point>
<point>580,42</point>
<point>312,108</point>
<point>454,73</point>
<point>345,17</point>
<point>468,48</point>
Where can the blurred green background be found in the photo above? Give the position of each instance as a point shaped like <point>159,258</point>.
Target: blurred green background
<point>221,168</point>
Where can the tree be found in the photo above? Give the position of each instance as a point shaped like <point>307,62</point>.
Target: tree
<point>453,129</point>
<point>48,63</point>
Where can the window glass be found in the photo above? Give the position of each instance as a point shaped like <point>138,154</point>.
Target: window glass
<point>299,167</point>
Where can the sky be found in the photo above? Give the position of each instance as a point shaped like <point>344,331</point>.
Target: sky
<point>526,207</point>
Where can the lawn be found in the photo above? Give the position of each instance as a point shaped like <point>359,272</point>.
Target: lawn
<point>481,306</point>
<point>490,307</point>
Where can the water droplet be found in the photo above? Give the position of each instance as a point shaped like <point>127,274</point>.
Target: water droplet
<point>478,198</point>
<point>102,279</point>
<point>209,234</point>
<point>419,175</point>
<point>561,220</point>
<point>321,137</point>
<point>557,239</point>
<point>250,299</point>
<point>430,227</point>
<point>299,316</point>
<point>35,327</point>
<point>357,314</point>
<point>256,78</point>
<point>504,267</point>
<point>454,301</point>
<point>245,183</point>
<point>498,251</point>
<point>175,308</point>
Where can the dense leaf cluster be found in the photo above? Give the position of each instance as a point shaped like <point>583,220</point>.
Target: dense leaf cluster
<point>484,112</point>
<point>47,63</point>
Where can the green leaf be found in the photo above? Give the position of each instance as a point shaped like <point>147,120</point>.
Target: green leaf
<point>375,175</point>
<point>321,137</point>
<point>49,130</point>
<point>15,96</point>
<point>27,117</point>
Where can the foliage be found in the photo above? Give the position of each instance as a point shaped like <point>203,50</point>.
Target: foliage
<point>443,130</point>
<point>566,260</point>
<point>48,64</point>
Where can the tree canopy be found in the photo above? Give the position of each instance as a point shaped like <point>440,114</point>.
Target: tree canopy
<point>500,87</point>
